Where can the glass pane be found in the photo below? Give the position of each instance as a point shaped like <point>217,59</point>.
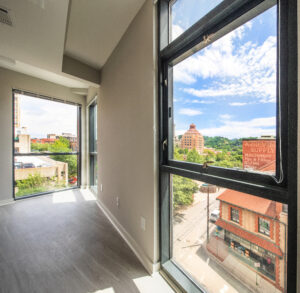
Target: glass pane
<point>228,241</point>
<point>93,173</point>
<point>37,174</point>
<point>184,13</point>
<point>93,128</point>
<point>44,125</point>
<point>225,99</point>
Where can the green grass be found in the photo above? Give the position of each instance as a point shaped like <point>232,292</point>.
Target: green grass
<point>38,189</point>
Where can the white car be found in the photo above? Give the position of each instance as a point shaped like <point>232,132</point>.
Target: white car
<point>214,215</point>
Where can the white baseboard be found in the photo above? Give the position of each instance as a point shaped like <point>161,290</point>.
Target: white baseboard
<point>6,202</point>
<point>137,250</point>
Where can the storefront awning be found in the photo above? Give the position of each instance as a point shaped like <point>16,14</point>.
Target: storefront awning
<point>267,245</point>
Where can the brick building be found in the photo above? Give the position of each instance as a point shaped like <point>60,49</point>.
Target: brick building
<point>192,139</point>
<point>260,154</point>
<point>255,230</point>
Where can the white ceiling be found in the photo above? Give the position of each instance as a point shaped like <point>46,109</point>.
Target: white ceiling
<point>37,41</point>
<point>38,32</point>
<point>96,27</point>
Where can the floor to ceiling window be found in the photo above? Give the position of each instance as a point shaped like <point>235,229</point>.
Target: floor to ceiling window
<point>46,144</point>
<point>93,146</point>
<point>228,144</point>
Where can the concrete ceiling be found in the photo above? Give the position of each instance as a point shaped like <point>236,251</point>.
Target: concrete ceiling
<point>96,27</point>
<point>43,31</point>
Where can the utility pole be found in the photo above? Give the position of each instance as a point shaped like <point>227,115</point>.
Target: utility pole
<point>205,166</point>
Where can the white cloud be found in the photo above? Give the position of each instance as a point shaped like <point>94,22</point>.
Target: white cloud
<point>236,129</point>
<point>225,116</point>
<point>42,117</point>
<point>180,131</point>
<point>190,112</point>
<point>176,31</point>
<point>248,69</point>
<point>202,102</point>
<point>238,104</point>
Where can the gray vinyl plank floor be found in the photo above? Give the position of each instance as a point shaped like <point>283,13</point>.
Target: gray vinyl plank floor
<point>48,244</point>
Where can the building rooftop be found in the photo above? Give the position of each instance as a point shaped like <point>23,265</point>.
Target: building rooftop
<point>250,202</point>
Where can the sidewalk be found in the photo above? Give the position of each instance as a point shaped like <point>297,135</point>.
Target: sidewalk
<point>237,268</point>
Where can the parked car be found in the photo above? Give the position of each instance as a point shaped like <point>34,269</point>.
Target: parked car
<point>28,165</point>
<point>214,215</point>
<point>18,165</point>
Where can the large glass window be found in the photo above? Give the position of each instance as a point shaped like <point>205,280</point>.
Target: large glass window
<point>224,99</point>
<point>46,145</point>
<point>93,146</point>
<point>228,144</point>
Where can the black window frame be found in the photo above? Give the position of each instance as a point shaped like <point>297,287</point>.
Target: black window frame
<point>283,190</point>
<point>78,153</point>
<point>93,154</point>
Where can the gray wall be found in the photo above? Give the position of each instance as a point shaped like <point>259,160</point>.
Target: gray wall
<point>128,132</point>
<point>12,80</point>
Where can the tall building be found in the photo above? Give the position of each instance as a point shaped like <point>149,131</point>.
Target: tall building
<point>192,139</point>
<point>17,112</point>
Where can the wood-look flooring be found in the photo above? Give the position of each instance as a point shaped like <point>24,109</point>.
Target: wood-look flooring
<point>52,246</point>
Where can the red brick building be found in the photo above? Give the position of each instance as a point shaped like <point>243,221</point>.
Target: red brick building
<point>43,140</point>
<point>255,230</point>
<point>192,139</point>
<point>259,154</point>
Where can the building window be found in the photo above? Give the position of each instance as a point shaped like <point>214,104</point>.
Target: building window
<point>264,226</point>
<point>228,82</point>
<point>234,215</point>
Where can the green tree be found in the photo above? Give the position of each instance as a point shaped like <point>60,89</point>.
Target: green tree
<point>183,191</point>
<point>39,147</point>
<point>62,145</point>
<point>194,156</point>
<point>178,154</point>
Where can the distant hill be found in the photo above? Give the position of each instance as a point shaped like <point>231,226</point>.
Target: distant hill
<point>223,143</point>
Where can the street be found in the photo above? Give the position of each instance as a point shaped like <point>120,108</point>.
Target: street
<point>189,241</point>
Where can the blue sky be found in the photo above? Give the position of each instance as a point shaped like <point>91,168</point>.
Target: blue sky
<point>229,87</point>
<point>42,117</point>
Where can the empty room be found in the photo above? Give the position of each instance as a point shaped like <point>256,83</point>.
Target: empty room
<point>149,146</point>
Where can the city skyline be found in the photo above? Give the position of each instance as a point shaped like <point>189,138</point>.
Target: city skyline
<point>229,88</point>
